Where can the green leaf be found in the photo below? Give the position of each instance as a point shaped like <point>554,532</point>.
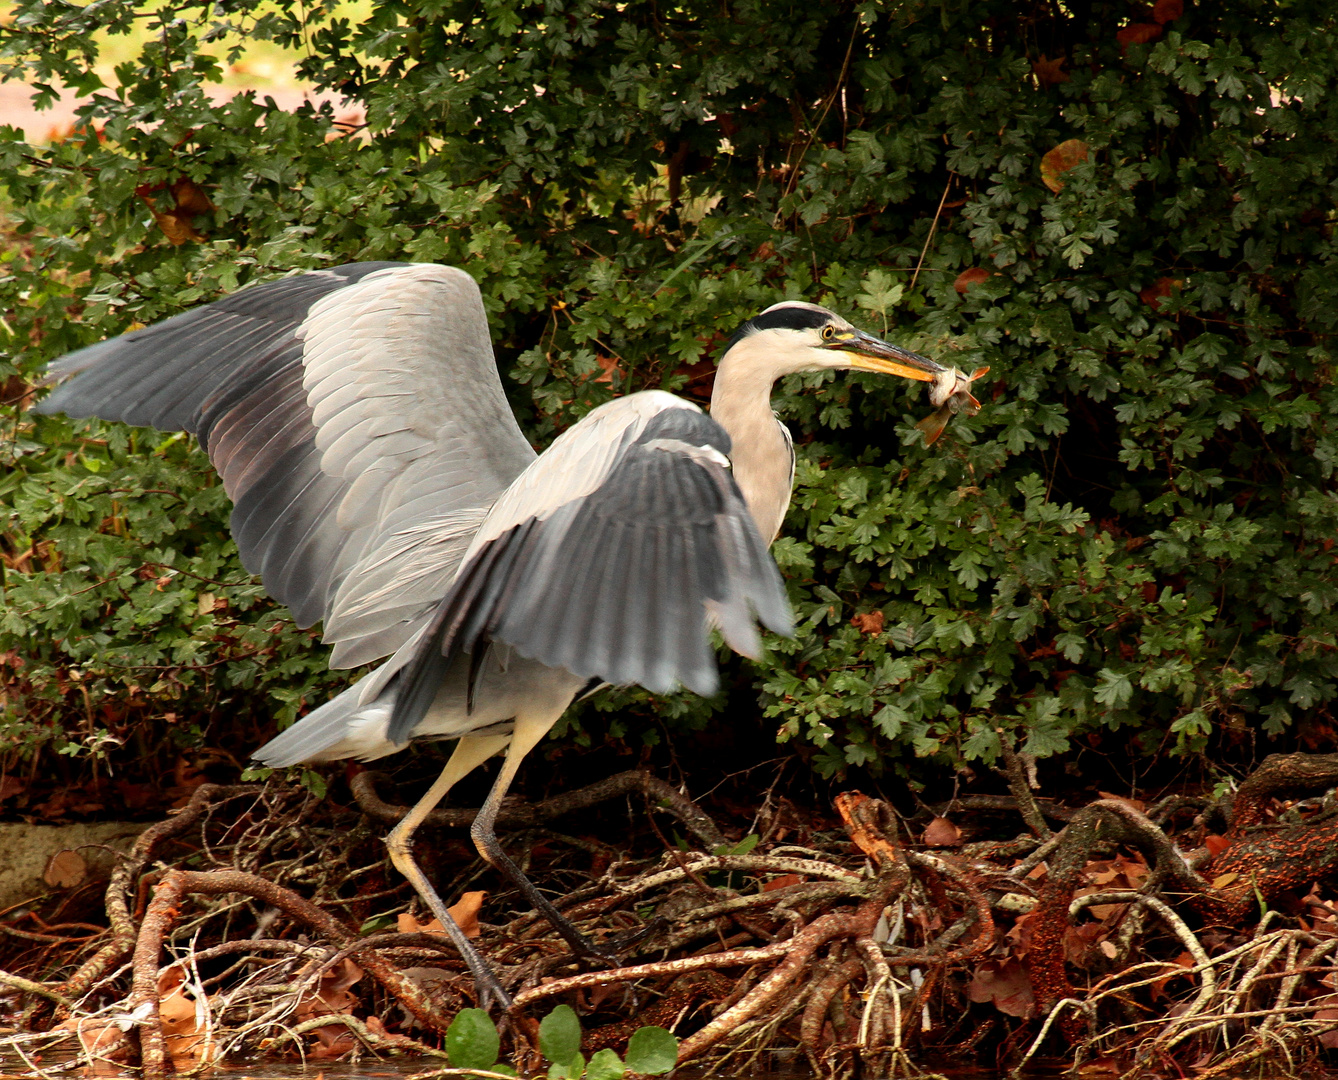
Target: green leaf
<point>568,1070</point>
<point>652,1051</point>
<point>472,1041</point>
<point>376,923</point>
<point>605,1065</point>
<point>741,848</point>
<point>881,293</point>
<point>560,1035</point>
<point>1116,688</point>
<point>314,782</point>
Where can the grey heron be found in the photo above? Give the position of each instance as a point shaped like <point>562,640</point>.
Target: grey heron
<point>381,484</point>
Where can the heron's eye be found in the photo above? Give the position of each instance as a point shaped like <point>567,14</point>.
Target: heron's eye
<point>828,332</point>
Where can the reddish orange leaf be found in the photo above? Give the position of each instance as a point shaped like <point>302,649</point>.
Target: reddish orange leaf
<point>407,924</point>
<point>1156,293</point>
<point>942,833</point>
<point>1165,11</point>
<point>190,198</point>
<point>871,623</point>
<point>1137,34</point>
<point>974,276</point>
<point>466,912</point>
<point>1060,160</point>
<point>1050,72</point>
<point>187,1041</point>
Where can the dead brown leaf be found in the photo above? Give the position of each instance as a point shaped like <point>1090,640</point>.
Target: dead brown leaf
<point>1019,936</point>
<point>375,1026</point>
<point>1184,960</point>
<point>106,1044</point>
<point>941,832</point>
<point>65,870</point>
<point>1135,804</point>
<point>190,198</point>
<point>1005,983</point>
<point>1106,913</point>
<point>1156,294</point>
<point>974,275</point>
<point>186,1037</point>
<point>608,369</point>
<point>870,623</point>
<point>188,202</point>
<point>1137,34</point>
<point>330,997</point>
<point>1081,943</point>
<point>465,912</point>
<point>1049,72</point>
<point>1329,1011</point>
<point>330,994</point>
<point>1060,160</point>
<point>407,924</point>
<point>1165,11</point>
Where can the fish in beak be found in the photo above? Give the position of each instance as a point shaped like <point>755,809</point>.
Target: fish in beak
<point>951,392</point>
<point>951,389</point>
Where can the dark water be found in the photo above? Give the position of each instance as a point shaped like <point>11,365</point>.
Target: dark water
<point>60,1063</point>
<point>61,1066</point>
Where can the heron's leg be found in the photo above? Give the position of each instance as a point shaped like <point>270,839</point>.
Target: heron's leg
<point>529,730</point>
<point>469,753</point>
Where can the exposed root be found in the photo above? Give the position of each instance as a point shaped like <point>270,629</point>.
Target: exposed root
<point>854,950</point>
<point>514,812</point>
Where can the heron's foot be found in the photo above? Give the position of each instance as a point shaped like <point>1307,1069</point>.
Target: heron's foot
<point>490,993</point>
<point>611,949</point>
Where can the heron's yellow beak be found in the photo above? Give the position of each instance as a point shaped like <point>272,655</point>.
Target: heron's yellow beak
<point>874,354</point>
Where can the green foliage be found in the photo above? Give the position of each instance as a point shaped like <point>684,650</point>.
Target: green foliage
<point>651,1051</point>
<point>472,1042</point>
<point>560,1043</point>
<point>1132,541</point>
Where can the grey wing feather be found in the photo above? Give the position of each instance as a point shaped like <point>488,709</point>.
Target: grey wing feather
<point>314,734</point>
<point>357,420</point>
<point>621,583</point>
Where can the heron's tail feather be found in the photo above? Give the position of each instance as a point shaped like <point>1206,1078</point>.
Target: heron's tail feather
<point>341,728</point>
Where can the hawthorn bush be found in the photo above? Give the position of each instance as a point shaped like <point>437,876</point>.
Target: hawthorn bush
<point>1126,212</point>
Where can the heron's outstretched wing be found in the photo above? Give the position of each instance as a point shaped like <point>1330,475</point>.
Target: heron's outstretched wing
<point>357,420</point>
<point>612,556</point>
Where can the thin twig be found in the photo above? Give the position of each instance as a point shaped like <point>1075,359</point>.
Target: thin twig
<point>932,227</point>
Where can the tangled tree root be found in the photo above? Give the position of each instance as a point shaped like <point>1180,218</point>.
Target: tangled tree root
<point>854,950</point>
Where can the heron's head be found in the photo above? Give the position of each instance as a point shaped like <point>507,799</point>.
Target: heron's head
<point>794,336</point>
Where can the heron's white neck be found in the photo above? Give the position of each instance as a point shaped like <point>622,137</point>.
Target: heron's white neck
<point>761,455</point>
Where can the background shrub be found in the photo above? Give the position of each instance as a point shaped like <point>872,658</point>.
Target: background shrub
<point>1126,212</point>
